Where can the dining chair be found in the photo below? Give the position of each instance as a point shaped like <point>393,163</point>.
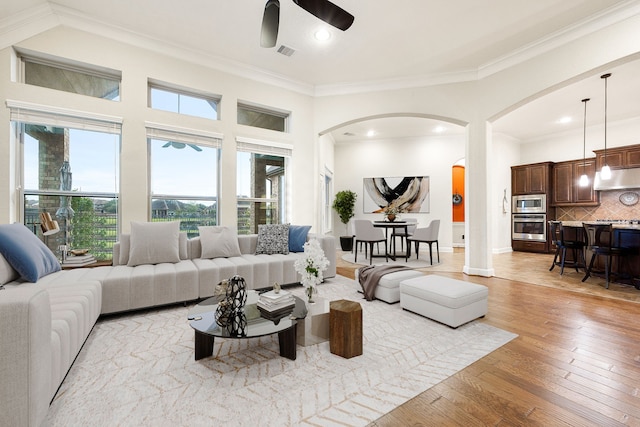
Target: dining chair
<point>562,243</point>
<point>600,242</point>
<point>368,234</point>
<point>412,224</point>
<point>427,235</point>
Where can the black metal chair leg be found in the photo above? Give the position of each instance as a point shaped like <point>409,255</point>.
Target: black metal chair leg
<point>564,255</point>
<point>588,273</point>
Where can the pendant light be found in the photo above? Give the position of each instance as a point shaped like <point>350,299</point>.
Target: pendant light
<point>584,179</point>
<point>605,173</point>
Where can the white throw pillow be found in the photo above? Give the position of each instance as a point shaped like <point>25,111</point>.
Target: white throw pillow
<point>7,273</point>
<point>154,243</point>
<point>218,241</point>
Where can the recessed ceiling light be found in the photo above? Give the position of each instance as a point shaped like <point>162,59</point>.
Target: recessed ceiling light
<point>322,35</point>
<point>371,133</point>
<point>439,129</point>
<point>564,120</point>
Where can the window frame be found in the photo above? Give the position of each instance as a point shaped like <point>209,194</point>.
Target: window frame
<point>23,114</point>
<point>163,132</point>
<point>181,90</point>
<point>27,56</point>
<point>263,109</point>
<point>272,148</point>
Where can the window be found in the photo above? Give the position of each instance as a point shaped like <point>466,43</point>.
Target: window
<point>70,170</point>
<point>181,101</point>
<point>71,76</point>
<point>261,184</point>
<point>184,178</point>
<point>261,117</point>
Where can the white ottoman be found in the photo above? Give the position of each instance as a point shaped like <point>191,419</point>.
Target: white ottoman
<point>388,289</point>
<point>449,301</point>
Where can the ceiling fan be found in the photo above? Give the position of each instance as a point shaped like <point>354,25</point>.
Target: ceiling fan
<point>322,9</point>
<point>181,145</point>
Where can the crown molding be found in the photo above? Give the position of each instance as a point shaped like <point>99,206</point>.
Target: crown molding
<point>26,24</point>
<point>594,23</point>
<point>36,20</point>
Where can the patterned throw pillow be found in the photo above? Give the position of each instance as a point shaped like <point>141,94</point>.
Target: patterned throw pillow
<point>273,239</point>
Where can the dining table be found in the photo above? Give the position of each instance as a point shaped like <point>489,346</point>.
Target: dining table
<point>393,226</point>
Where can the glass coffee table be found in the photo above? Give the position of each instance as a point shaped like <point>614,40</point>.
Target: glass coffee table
<point>202,317</point>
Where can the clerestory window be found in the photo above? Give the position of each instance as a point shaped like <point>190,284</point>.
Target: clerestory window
<point>165,97</point>
<point>70,76</point>
<point>262,117</point>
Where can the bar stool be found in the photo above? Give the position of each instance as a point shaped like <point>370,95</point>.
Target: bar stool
<point>600,243</point>
<point>562,244</point>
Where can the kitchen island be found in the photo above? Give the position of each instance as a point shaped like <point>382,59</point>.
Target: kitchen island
<point>625,234</point>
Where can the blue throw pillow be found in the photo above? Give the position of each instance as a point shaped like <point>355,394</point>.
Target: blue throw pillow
<point>31,258</point>
<point>298,237</point>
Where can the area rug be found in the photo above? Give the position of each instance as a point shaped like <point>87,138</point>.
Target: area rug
<point>139,370</point>
<point>412,262</point>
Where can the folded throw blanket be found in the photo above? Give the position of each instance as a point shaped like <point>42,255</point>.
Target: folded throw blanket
<point>370,275</point>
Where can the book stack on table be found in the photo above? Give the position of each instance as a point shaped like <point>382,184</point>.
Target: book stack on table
<point>78,260</point>
<point>275,306</point>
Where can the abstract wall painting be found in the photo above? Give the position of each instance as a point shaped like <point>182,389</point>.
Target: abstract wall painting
<point>409,194</point>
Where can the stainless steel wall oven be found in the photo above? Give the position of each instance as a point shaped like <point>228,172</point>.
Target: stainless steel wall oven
<point>530,227</point>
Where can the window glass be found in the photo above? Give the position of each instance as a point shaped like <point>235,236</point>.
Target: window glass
<point>70,79</point>
<point>183,103</point>
<point>262,118</point>
<point>72,175</point>
<point>184,184</point>
<point>260,190</point>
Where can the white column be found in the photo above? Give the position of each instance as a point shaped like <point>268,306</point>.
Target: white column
<point>478,224</point>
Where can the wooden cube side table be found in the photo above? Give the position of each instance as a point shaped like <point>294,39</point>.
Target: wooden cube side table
<point>345,328</point>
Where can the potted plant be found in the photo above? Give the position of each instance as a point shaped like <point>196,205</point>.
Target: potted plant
<point>344,204</point>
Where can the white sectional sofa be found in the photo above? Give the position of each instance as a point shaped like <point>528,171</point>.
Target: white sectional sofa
<point>44,324</point>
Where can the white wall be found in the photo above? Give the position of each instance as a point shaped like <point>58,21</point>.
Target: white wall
<point>506,153</point>
<point>426,156</point>
<point>137,65</point>
<point>568,145</point>
<point>499,88</point>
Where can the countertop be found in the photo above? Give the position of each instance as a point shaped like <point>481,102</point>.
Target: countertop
<point>618,225</point>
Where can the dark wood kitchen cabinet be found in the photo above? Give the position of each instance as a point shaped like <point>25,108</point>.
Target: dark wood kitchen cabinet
<point>530,179</point>
<point>566,189</point>
<point>619,157</point>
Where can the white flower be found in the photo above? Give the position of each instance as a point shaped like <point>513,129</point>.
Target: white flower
<point>312,264</point>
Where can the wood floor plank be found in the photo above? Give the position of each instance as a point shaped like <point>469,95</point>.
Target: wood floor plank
<point>576,361</point>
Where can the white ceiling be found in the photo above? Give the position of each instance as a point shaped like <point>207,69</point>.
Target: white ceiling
<point>391,44</point>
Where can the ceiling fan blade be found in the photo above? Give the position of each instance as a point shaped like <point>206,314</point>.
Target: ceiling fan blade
<point>328,12</point>
<point>195,147</point>
<point>270,24</point>
<point>168,144</point>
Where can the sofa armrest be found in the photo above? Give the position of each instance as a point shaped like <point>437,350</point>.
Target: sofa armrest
<point>328,245</point>
<point>116,253</point>
<point>25,355</point>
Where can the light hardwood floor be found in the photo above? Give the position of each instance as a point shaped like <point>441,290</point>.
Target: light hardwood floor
<point>576,361</point>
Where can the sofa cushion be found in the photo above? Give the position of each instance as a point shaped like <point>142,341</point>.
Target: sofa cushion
<point>7,273</point>
<point>298,237</point>
<point>31,258</point>
<point>273,239</point>
<point>125,244</point>
<point>218,241</point>
<point>154,243</point>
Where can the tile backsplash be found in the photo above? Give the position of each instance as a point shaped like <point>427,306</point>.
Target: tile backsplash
<point>610,208</point>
